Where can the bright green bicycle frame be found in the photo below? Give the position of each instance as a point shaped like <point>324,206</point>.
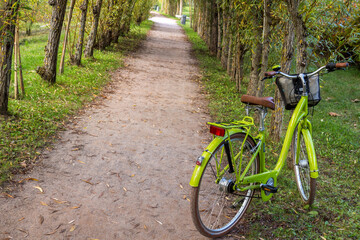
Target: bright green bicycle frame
<point>299,118</point>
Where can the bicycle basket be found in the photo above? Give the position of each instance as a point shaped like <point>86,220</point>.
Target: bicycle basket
<point>291,90</point>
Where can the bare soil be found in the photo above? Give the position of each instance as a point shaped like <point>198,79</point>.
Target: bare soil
<point>121,169</point>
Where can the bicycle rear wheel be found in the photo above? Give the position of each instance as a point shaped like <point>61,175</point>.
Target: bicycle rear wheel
<point>306,185</point>
<point>215,208</point>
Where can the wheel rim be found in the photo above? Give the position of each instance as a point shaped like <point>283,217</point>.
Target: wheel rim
<point>302,169</point>
<point>218,209</point>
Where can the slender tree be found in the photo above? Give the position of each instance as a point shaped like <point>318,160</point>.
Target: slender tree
<point>7,31</point>
<point>48,71</point>
<point>89,50</point>
<point>62,60</point>
<point>79,45</point>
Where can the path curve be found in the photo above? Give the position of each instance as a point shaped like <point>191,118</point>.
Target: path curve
<point>121,169</point>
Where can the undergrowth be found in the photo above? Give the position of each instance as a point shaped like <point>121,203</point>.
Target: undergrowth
<point>336,214</point>
<point>34,120</point>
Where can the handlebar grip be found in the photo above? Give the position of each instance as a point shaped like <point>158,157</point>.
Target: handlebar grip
<point>332,66</point>
<point>341,65</point>
<point>270,74</point>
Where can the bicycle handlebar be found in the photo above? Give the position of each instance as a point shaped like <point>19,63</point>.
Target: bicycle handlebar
<point>329,67</point>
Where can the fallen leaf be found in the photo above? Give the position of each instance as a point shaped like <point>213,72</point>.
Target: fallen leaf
<point>125,189</point>
<point>39,188</point>
<point>76,207</point>
<point>72,228</point>
<point>43,203</point>
<point>334,114</point>
<point>132,175</point>
<point>159,222</point>
<point>41,219</point>
<point>23,164</point>
<point>81,162</point>
<point>355,100</point>
<point>21,219</point>
<point>88,181</point>
<point>8,195</point>
<point>328,98</point>
<point>28,179</point>
<point>145,227</point>
<point>323,238</point>
<point>181,186</point>
<point>58,201</point>
<point>71,221</point>
<point>75,149</point>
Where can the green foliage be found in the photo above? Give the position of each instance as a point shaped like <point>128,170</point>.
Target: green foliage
<point>35,119</point>
<point>336,213</point>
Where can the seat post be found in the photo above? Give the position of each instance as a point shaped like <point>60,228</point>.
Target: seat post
<point>262,115</point>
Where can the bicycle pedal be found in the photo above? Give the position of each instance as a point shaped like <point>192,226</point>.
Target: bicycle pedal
<point>269,188</point>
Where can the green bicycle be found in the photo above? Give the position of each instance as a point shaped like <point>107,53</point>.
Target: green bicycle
<point>232,166</point>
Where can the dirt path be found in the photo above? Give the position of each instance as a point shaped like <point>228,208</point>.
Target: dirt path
<point>121,170</point>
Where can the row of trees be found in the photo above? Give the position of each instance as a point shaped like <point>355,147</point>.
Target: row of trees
<point>105,23</point>
<point>248,34</point>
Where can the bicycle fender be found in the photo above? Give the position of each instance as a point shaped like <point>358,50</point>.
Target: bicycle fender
<point>314,172</point>
<point>198,171</point>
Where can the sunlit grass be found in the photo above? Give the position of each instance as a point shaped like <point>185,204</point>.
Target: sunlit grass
<point>36,118</point>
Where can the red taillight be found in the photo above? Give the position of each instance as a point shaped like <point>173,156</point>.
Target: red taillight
<point>217,131</point>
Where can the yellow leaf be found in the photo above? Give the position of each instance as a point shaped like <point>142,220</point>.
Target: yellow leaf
<point>43,203</point>
<point>39,188</point>
<point>58,201</point>
<point>81,162</point>
<point>28,179</point>
<point>76,207</point>
<point>72,228</point>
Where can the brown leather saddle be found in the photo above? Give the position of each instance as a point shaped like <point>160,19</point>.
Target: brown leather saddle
<point>262,101</point>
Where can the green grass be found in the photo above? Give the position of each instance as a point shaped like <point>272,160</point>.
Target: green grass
<point>35,119</point>
<point>336,214</point>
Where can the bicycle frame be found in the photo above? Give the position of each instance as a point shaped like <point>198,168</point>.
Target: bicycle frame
<point>299,118</point>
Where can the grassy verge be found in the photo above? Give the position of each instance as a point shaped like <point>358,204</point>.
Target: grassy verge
<point>337,140</point>
<point>35,119</point>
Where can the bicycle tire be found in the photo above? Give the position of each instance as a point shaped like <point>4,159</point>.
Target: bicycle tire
<point>305,183</point>
<point>216,212</point>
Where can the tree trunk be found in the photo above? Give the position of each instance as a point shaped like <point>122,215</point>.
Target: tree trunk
<point>219,27</point>
<point>89,50</point>
<point>7,31</point>
<point>62,60</point>
<point>225,37</point>
<point>255,58</point>
<point>16,82</point>
<point>286,59</point>
<point>181,7</point>
<point>213,28</point>
<point>265,45</point>
<point>79,45</point>
<point>48,71</point>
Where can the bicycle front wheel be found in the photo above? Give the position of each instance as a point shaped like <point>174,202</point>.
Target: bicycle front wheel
<point>216,208</point>
<point>306,185</point>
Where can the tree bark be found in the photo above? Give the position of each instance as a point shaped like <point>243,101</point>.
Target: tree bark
<point>48,71</point>
<point>286,59</point>
<point>213,28</point>
<point>256,57</point>
<point>79,45</point>
<point>89,50</point>
<point>7,31</point>
<point>62,60</point>
<point>265,45</point>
